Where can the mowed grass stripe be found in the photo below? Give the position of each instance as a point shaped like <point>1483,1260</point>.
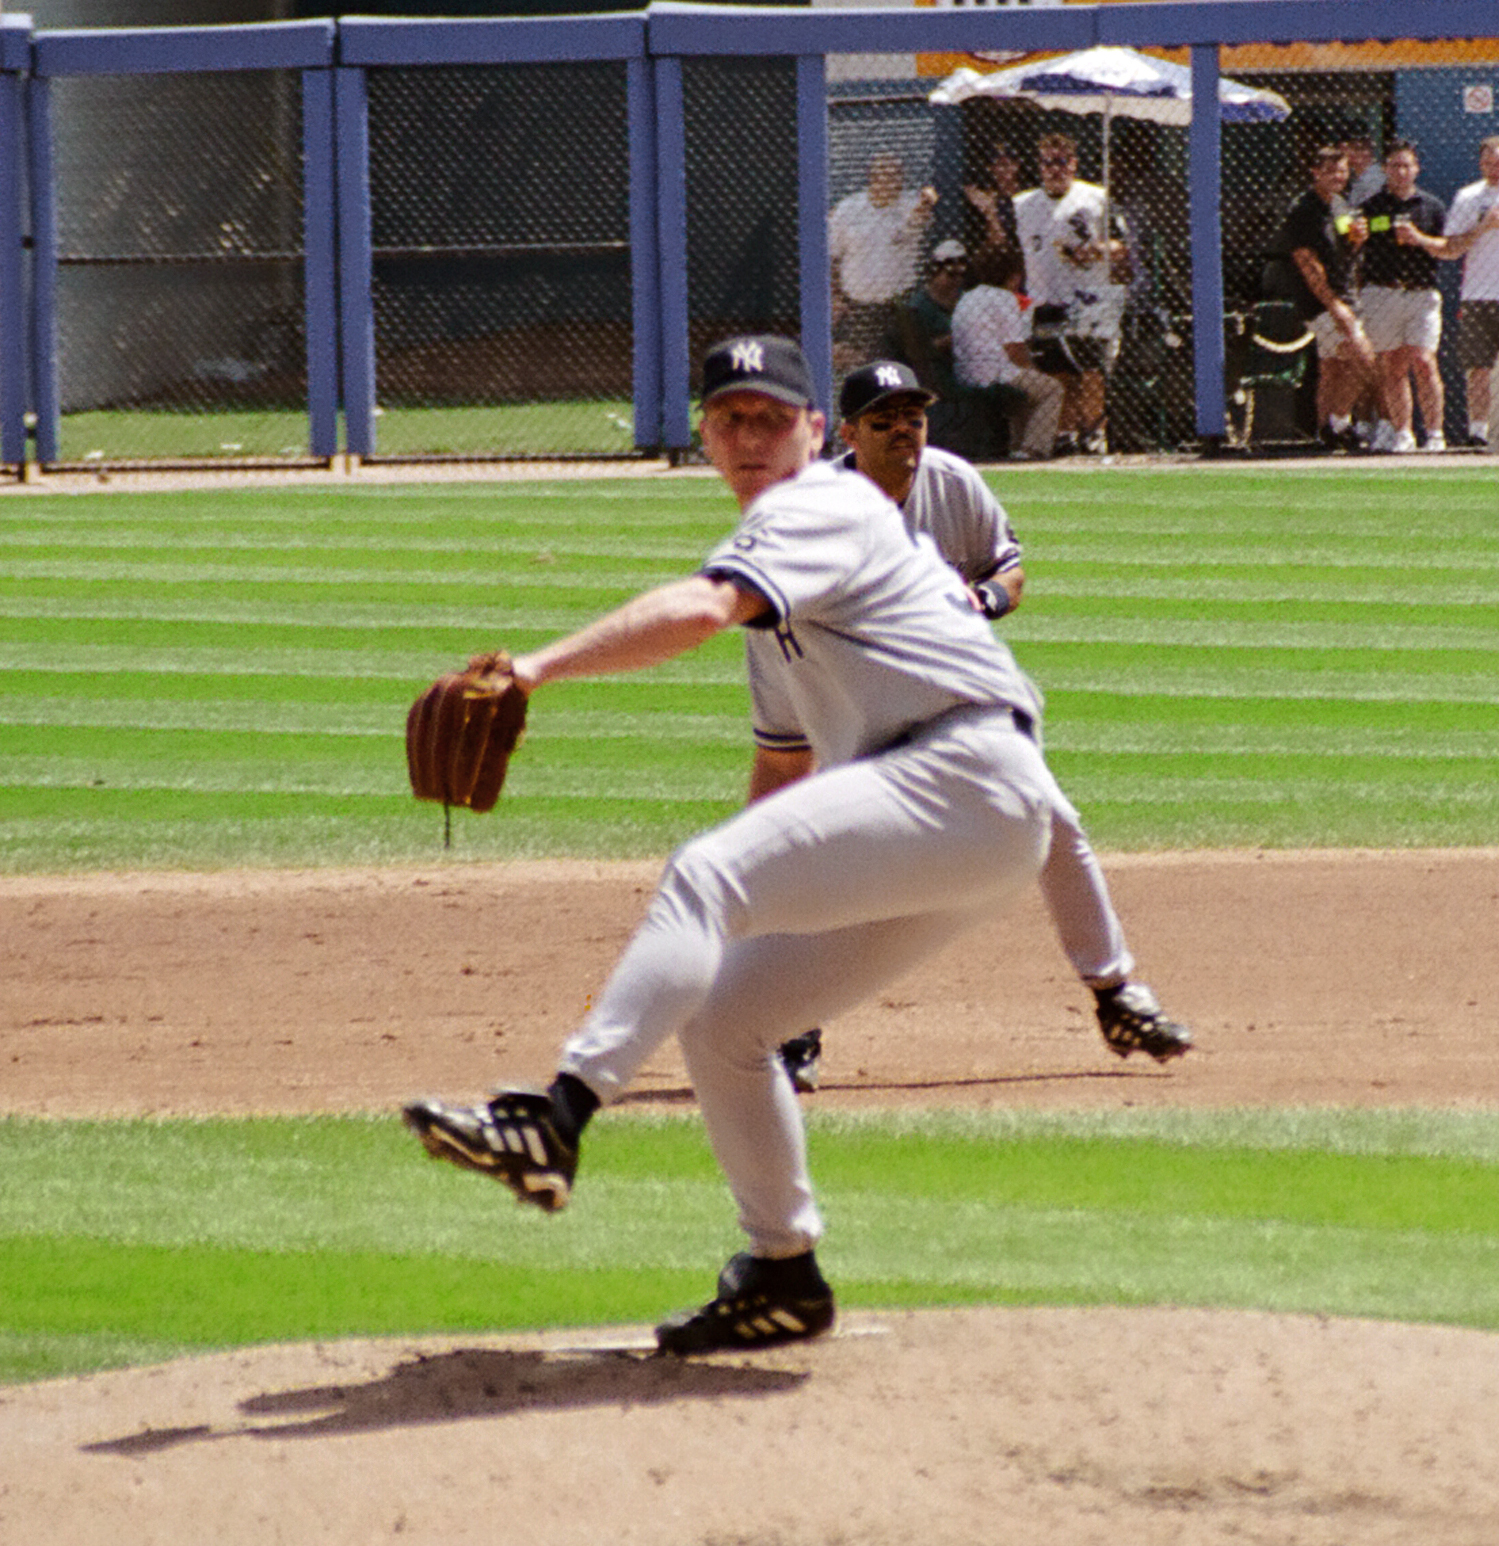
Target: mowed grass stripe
<point>142,618</point>
<point>1316,737</point>
<point>627,696</point>
<point>1178,685</point>
<point>340,719</point>
<point>416,667</point>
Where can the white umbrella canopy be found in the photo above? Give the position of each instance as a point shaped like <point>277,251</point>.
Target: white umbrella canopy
<point>1116,82</point>
<point>1112,81</point>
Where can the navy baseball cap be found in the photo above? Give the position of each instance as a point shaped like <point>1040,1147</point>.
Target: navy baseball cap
<point>759,362</point>
<point>872,384</point>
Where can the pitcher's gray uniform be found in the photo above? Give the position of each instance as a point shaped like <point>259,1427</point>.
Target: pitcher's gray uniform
<point>931,809</point>
<point>927,808</point>
<point>950,502</point>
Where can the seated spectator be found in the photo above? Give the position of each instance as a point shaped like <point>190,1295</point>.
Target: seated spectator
<point>922,334</point>
<point>991,356</point>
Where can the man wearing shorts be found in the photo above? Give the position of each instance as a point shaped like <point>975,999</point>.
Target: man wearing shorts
<point>1472,233</point>
<point>1320,237</point>
<point>1400,305</point>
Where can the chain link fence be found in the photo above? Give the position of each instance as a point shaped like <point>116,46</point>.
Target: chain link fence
<point>502,266</point>
<point>179,281</point>
<point>983,156</point>
<point>500,233</point>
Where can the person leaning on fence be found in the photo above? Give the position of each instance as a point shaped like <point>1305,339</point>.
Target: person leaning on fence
<point>1399,303</point>
<point>991,356</point>
<point>1472,234</point>
<point>1315,250</point>
<point>875,237</point>
<point>1073,274</point>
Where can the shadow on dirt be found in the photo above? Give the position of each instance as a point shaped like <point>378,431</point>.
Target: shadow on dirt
<point>472,1383</point>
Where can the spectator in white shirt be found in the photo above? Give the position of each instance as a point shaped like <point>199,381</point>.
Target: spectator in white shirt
<point>875,240</point>
<point>991,355</point>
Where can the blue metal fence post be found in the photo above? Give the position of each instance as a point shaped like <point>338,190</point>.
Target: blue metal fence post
<point>645,276</point>
<point>671,217</point>
<point>356,300</point>
<point>320,289</point>
<point>12,270</point>
<point>44,389</point>
<point>812,217</point>
<point>1205,184</point>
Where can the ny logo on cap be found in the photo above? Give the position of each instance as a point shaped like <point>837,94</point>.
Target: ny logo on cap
<point>887,376</point>
<point>747,356</point>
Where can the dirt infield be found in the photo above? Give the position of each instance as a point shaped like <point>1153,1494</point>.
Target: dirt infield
<point>1350,978</point>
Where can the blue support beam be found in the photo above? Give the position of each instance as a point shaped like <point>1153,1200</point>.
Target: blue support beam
<point>645,257</point>
<point>356,263</point>
<point>1204,157</point>
<point>45,399</point>
<point>368,41</point>
<point>14,55</point>
<point>319,243</point>
<point>671,228</point>
<point>295,45</point>
<point>812,216</point>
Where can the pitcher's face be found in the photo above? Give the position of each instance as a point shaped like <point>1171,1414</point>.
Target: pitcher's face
<point>757,441</point>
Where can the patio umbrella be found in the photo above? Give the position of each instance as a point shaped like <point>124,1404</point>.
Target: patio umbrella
<point>1115,82</point>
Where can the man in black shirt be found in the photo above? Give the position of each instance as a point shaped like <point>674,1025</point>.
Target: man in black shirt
<point>1400,304</point>
<point>1320,237</point>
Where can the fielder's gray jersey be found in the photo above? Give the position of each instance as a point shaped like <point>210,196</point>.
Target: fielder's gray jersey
<point>871,634</point>
<point>952,504</point>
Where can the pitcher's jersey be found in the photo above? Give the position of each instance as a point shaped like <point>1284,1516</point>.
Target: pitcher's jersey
<point>871,633</point>
<point>952,504</point>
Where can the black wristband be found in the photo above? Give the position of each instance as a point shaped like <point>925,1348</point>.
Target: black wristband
<point>993,598</point>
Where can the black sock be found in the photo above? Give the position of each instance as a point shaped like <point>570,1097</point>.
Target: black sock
<point>791,1275</point>
<point>573,1103</point>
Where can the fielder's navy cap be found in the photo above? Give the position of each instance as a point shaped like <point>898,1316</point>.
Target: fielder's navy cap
<point>872,384</point>
<point>759,362</point>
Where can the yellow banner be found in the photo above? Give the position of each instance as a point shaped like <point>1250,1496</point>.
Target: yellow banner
<point>1372,55</point>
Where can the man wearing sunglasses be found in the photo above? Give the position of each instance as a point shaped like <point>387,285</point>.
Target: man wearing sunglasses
<point>942,497</point>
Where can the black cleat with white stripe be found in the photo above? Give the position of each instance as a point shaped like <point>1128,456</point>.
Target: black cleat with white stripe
<point>512,1138</point>
<point>1131,1020</point>
<point>761,1302</point>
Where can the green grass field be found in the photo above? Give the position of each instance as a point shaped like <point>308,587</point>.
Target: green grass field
<point>599,427</point>
<point>137,1242</point>
<point>1231,657</point>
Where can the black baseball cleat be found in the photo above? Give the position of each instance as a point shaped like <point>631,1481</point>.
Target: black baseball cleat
<point>760,1303</point>
<point>1131,1021</point>
<point>802,1056</point>
<point>512,1138</point>
<point>1348,441</point>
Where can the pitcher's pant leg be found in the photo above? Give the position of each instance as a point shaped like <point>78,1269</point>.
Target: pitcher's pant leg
<point>1077,896</point>
<point>798,908</point>
<point>753,1119</point>
<point>895,836</point>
